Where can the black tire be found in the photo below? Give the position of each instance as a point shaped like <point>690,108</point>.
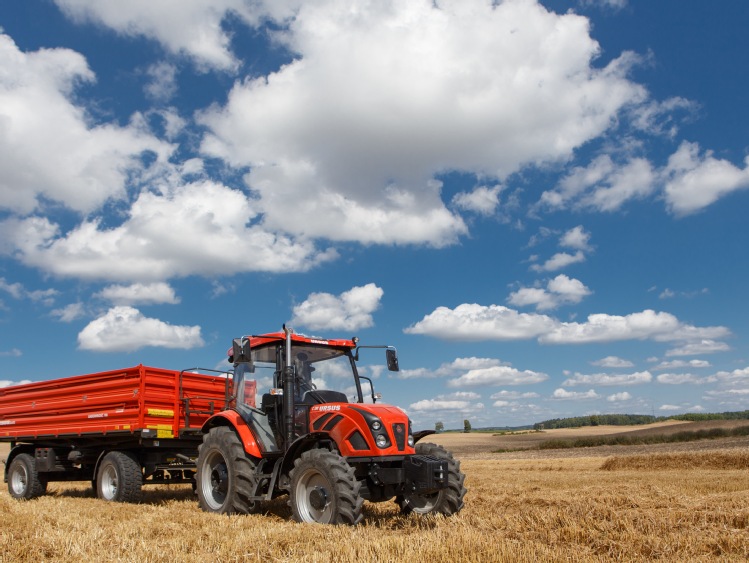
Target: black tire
<point>324,489</point>
<point>447,501</point>
<point>23,480</point>
<point>226,475</point>
<point>119,478</point>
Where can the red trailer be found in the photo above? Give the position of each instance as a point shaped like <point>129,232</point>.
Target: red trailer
<point>119,429</point>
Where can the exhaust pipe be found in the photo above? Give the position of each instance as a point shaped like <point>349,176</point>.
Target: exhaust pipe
<point>288,390</point>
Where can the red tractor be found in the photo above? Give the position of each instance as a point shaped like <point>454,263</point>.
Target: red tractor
<point>315,438</point>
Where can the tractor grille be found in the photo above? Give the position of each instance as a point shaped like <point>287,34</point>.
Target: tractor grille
<point>399,431</point>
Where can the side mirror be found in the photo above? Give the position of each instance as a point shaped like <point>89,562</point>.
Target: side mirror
<point>392,359</point>
<point>242,353</point>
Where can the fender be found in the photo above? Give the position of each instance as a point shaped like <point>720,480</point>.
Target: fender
<point>20,449</point>
<point>422,434</point>
<point>299,446</point>
<point>232,419</point>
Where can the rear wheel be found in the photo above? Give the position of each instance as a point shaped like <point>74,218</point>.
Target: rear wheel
<point>226,475</point>
<point>324,489</point>
<point>447,501</point>
<point>23,480</point>
<point>119,478</point>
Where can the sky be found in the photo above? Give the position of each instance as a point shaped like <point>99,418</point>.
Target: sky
<point>540,204</point>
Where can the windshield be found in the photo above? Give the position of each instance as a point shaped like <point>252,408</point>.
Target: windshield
<point>315,368</point>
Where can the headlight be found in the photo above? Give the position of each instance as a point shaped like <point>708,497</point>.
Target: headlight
<point>381,441</point>
<point>376,425</point>
<point>410,440</point>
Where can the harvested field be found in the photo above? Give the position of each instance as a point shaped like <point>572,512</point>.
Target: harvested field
<point>517,509</point>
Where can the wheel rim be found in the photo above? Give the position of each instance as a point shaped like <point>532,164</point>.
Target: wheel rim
<point>19,480</point>
<point>423,504</point>
<point>108,482</point>
<point>314,497</point>
<point>214,481</point>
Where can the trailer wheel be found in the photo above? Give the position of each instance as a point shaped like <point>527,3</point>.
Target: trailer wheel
<point>324,489</point>
<point>448,501</point>
<point>119,478</point>
<point>23,480</point>
<point>226,475</point>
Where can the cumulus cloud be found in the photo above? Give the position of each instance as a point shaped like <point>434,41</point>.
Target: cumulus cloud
<point>139,294</point>
<point>679,364</point>
<point>680,379</point>
<point>445,404</point>
<point>448,369</point>
<point>704,346</point>
<point>564,395</point>
<point>618,397</point>
<point>605,379</point>
<point>70,312</point>
<point>12,353</point>
<point>192,29</point>
<point>694,181</point>
<point>612,362</point>
<point>577,238</point>
<point>7,383</point>
<point>483,200</point>
<point>561,290</point>
<point>125,329</point>
<point>351,310</point>
<point>497,375</point>
<point>558,261</point>
<point>473,322</point>
<point>602,186</point>
<point>18,291</point>
<point>200,228</point>
<point>50,148</point>
<point>513,395</point>
<point>374,153</point>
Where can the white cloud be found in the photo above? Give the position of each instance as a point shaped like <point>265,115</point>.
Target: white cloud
<point>558,261</point>
<point>617,397</point>
<point>513,395</point>
<point>678,364</point>
<point>473,322</point>
<point>607,379</point>
<point>7,383</point>
<point>18,291</point>
<point>351,310</point>
<point>576,238</point>
<point>562,290</point>
<point>428,405</point>
<point>680,379</point>
<point>448,369</point>
<point>163,84</point>
<point>190,28</point>
<point>705,346</point>
<point>139,294</point>
<point>125,329</point>
<point>482,200</point>
<point>12,353</point>
<point>564,395</point>
<point>613,362</point>
<point>647,324</point>
<point>383,97</point>
<point>50,148</point>
<point>669,408</point>
<point>602,186</point>
<point>202,228</point>
<point>498,375</point>
<point>694,181</point>
<point>70,312</point>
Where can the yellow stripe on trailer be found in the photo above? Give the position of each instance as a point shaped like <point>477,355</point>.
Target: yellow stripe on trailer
<point>165,413</point>
<point>162,430</point>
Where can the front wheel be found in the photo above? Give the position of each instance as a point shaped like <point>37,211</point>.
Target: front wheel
<point>324,489</point>
<point>23,480</point>
<point>446,501</point>
<point>120,478</point>
<point>225,480</point>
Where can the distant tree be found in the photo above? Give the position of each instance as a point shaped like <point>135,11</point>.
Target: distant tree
<point>439,427</point>
<point>466,425</point>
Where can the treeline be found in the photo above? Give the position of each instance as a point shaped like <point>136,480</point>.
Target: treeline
<point>633,419</point>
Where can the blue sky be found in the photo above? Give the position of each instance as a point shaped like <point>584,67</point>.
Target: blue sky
<point>540,204</point>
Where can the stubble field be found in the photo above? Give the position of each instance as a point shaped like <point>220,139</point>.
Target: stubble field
<point>670,502</point>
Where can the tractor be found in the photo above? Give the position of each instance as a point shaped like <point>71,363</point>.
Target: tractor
<point>319,436</point>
